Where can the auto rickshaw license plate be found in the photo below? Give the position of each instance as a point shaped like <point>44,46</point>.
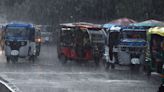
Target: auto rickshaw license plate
<point>135,61</point>
<point>14,52</point>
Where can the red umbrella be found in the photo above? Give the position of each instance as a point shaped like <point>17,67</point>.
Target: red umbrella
<point>123,21</point>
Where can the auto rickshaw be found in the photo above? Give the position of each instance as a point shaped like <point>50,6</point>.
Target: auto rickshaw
<point>127,45</point>
<point>19,41</point>
<point>155,51</point>
<point>80,42</point>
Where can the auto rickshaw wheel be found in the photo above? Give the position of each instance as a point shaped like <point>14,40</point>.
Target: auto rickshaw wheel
<point>97,62</point>
<point>32,58</point>
<point>38,52</point>
<point>135,68</point>
<point>107,64</point>
<point>112,66</point>
<point>63,59</point>
<point>8,59</point>
<point>14,59</point>
<point>148,70</point>
<point>59,55</point>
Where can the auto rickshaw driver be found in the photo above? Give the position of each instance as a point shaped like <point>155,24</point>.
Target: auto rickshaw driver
<point>86,41</point>
<point>79,45</point>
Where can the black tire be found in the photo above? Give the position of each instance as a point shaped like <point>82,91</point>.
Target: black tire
<point>138,68</point>
<point>104,62</point>
<point>135,68</point>
<point>63,59</point>
<point>14,59</point>
<point>59,55</point>
<point>148,71</point>
<point>112,66</point>
<point>97,61</point>
<point>7,59</point>
<point>107,65</point>
<point>33,58</point>
<point>38,51</point>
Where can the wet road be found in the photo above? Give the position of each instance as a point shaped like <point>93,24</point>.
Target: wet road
<point>47,74</point>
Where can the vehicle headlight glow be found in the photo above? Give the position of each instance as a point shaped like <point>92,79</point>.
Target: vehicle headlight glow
<point>39,40</point>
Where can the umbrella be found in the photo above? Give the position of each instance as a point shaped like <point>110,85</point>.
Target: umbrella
<point>121,21</point>
<point>149,23</point>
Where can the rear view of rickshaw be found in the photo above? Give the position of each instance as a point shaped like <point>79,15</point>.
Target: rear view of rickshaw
<point>19,41</point>
<point>79,42</point>
<point>155,51</point>
<point>128,44</point>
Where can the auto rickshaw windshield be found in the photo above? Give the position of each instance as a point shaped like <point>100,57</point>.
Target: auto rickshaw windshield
<point>17,31</point>
<point>133,35</point>
<point>66,36</point>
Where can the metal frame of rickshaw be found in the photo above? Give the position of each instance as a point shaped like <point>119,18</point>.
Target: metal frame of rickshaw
<point>88,54</point>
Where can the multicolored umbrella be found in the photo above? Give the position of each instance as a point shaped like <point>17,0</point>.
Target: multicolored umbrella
<point>121,21</point>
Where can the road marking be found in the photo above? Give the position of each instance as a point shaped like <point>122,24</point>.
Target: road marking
<point>59,73</point>
<point>90,80</point>
<point>85,78</point>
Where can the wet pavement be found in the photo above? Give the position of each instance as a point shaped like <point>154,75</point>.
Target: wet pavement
<point>47,74</point>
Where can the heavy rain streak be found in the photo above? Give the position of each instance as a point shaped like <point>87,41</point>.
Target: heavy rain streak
<point>81,46</point>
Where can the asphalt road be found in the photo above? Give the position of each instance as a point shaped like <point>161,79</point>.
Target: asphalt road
<point>47,74</point>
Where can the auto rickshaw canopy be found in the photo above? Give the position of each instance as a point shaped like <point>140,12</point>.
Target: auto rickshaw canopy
<point>121,21</point>
<point>156,30</point>
<point>81,25</point>
<point>151,23</point>
<point>19,25</point>
<point>128,28</point>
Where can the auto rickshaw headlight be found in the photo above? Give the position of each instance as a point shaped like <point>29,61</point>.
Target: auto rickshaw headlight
<point>38,40</point>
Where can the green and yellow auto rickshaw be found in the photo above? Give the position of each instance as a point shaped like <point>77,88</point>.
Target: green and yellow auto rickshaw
<point>155,51</point>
